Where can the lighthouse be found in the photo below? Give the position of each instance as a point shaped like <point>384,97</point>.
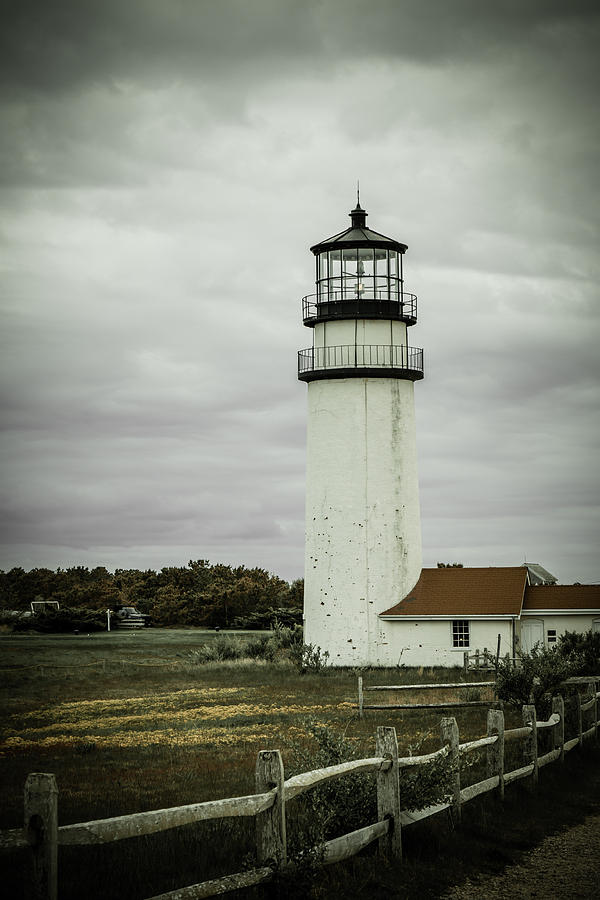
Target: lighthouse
<point>363,530</point>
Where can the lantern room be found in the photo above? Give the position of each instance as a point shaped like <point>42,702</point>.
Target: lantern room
<point>360,311</point>
<point>359,273</point>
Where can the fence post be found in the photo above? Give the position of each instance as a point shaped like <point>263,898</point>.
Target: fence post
<point>579,716</point>
<point>466,660</point>
<point>360,697</point>
<point>596,709</point>
<point>449,736</point>
<point>530,750</point>
<point>477,659</point>
<point>271,844</point>
<point>388,792</point>
<point>495,752</point>
<point>41,828</point>
<point>592,689</point>
<point>558,706</point>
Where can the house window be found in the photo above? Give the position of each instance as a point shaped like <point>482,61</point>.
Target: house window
<point>551,636</point>
<point>460,633</point>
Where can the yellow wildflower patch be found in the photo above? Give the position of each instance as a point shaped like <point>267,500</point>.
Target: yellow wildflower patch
<point>191,717</point>
<point>220,736</point>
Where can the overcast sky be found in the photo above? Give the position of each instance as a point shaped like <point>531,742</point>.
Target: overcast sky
<point>165,168</point>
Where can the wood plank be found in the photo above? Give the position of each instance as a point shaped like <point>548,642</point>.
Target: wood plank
<point>480,742</point>
<point>388,793</point>
<point>482,787</point>
<point>406,761</point>
<point>518,773</point>
<point>447,705</point>
<point>530,744</point>
<point>13,838</point>
<point>350,844</point>
<point>271,831</point>
<point>558,707</point>
<point>409,817</point>
<point>218,885</point>
<point>41,823</point>
<point>570,744</point>
<point>513,733</point>
<point>103,831</point>
<point>550,757</point>
<point>589,704</point>
<point>426,687</point>
<point>550,723</point>
<point>494,761</point>
<point>298,784</point>
<point>450,738</point>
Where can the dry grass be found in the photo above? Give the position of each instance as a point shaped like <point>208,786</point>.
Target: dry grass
<point>158,731</point>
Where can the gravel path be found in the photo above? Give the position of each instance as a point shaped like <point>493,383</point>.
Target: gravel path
<point>565,865</point>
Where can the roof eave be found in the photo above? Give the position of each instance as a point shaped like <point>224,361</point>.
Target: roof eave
<point>426,617</point>
<point>579,611</point>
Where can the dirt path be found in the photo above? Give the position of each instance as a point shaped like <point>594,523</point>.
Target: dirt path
<point>564,865</point>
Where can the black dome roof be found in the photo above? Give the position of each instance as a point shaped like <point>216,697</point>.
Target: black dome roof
<point>358,235</point>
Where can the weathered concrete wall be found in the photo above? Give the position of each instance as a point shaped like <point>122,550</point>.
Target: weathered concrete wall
<point>363,531</point>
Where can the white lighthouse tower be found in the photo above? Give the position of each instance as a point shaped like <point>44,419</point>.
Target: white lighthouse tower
<point>363,529</point>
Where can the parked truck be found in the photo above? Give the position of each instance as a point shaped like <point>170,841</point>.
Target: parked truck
<point>129,617</point>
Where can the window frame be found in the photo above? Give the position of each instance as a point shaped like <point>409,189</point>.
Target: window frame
<point>460,634</point>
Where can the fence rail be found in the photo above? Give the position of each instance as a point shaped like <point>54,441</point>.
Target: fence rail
<point>461,685</point>
<point>43,836</point>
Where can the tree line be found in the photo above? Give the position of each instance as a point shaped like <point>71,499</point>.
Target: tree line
<point>200,593</point>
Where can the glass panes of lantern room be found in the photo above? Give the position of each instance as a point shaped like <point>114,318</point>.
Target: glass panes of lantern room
<point>358,273</point>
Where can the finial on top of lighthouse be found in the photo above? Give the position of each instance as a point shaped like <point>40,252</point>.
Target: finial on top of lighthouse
<point>358,214</point>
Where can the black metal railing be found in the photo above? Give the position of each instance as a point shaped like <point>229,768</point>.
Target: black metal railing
<point>378,305</point>
<point>406,361</point>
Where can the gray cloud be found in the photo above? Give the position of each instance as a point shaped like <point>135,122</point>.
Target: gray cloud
<point>165,168</point>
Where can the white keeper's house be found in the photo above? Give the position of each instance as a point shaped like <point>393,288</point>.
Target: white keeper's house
<point>368,601</point>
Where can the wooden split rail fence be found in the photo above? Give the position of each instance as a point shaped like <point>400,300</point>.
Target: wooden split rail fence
<point>42,834</point>
<point>486,661</point>
<point>423,687</point>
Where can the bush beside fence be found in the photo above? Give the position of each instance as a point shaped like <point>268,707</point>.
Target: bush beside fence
<point>42,834</point>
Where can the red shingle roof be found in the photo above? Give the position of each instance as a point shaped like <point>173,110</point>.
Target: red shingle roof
<point>464,592</point>
<point>562,596</point>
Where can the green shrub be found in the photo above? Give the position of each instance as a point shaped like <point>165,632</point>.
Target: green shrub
<point>262,647</point>
<point>270,618</point>
<point>582,651</point>
<point>345,804</point>
<point>221,648</point>
<point>541,672</point>
<point>64,620</point>
<point>287,637</point>
<point>309,658</point>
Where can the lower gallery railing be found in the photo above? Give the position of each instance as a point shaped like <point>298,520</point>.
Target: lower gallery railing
<point>42,835</point>
<point>368,356</point>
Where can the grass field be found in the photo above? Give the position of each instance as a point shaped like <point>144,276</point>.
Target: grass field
<point>128,721</point>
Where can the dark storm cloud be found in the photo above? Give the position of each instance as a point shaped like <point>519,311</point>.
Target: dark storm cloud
<point>56,45</point>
